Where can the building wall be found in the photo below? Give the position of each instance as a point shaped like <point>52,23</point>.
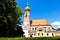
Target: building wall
<point>26,33</point>
<point>36,30</point>
<point>58,33</point>
<point>42,33</point>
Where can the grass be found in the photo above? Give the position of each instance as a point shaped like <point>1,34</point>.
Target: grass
<point>32,38</point>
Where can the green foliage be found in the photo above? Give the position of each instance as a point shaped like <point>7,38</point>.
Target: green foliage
<point>33,38</point>
<point>10,16</point>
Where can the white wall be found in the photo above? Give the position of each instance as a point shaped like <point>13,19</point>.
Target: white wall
<point>26,33</point>
<point>44,34</point>
<point>54,34</point>
<point>33,35</point>
<point>33,27</point>
<point>50,34</point>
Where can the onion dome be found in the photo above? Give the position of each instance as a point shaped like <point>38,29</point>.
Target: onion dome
<point>27,8</point>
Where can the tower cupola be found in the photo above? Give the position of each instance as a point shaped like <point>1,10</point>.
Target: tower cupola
<point>27,8</point>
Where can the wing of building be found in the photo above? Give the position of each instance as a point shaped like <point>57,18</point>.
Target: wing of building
<point>36,28</point>
<point>58,32</point>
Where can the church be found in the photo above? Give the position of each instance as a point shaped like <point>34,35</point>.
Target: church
<point>36,28</point>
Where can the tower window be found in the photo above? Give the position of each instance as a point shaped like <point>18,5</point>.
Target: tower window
<point>26,15</point>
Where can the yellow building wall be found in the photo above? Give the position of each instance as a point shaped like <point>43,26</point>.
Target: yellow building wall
<point>40,33</point>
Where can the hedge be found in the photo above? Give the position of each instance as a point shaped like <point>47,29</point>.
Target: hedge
<point>31,38</point>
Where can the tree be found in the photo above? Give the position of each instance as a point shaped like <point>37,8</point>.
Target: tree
<point>19,31</point>
<point>10,17</point>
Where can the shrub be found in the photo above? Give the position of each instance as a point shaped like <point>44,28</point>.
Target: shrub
<point>32,38</point>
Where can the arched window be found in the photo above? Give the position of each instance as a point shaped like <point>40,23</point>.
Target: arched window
<point>47,34</point>
<point>40,30</point>
<point>38,34</point>
<point>42,34</point>
<point>52,34</point>
<point>30,35</point>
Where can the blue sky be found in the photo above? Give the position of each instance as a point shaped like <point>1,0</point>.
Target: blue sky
<point>42,9</point>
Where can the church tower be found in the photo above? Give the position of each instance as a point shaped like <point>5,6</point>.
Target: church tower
<point>27,20</point>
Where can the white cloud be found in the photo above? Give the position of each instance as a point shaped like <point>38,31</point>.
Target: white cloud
<point>56,24</point>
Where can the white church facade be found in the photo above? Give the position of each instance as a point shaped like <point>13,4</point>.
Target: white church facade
<point>36,28</point>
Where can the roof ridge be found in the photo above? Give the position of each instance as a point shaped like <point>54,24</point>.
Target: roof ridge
<point>40,19</point>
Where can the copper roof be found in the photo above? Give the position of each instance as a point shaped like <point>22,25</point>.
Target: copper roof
<point>41,22</point>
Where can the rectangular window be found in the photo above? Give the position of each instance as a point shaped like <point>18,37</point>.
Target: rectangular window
<point>44,28</point>
<point>49,28</point>
<point>35,29</point>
